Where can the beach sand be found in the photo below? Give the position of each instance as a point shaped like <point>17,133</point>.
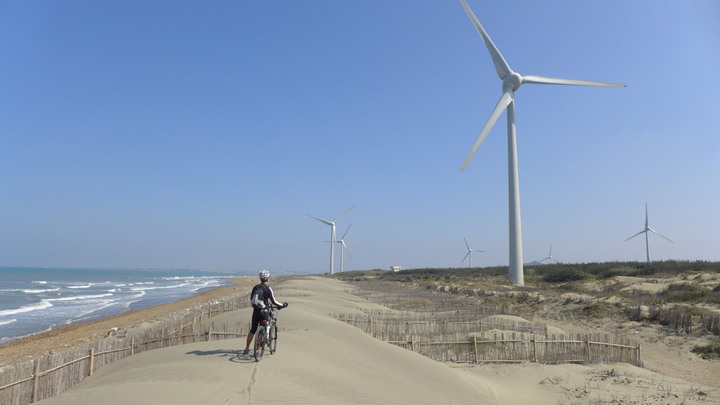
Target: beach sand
<point>321,360</point>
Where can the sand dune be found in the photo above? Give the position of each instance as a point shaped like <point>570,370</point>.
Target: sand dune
<point>321,360</point>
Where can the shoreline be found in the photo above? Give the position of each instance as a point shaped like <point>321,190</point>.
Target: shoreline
<point>68,337</point>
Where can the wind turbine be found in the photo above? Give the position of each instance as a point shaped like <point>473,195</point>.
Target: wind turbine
<point>332,235</point>
<point>343,248</point>
<point>550,257</point>
<point>645,231</point>
<point>469,252</point>
<point>511,82</point>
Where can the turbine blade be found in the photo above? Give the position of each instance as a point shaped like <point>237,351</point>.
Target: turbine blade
<point>572,82</point>
<point>643,231</point>
<point>660,235</point>
<point>505,100</point>
<point>321,220</point>
<point>346,231</point>
<point>466,244</point>
<point>343,214</point>
<point>466,256</point>
<point>501,66</point>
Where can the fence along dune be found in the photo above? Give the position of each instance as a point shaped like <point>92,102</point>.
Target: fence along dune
<point>320,360</point>
<point>457,332</point>
<point>52,374</point>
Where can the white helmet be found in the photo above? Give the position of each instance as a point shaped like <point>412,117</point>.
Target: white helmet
<point>264,275</point>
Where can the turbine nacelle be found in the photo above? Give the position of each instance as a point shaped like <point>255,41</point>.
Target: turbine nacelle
<point>512,82</point>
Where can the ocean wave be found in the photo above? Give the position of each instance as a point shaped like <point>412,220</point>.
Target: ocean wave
<point>39,291</point>
<point>103,304</point>
<point>28,308</point>
<point>160,287</point>
<point>79,297</point>
<point>39,282</point>
<point>7,322</point>
<point>79,286</point>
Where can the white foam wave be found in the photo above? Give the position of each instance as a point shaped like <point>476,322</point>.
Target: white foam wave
<point>28,308</point>
<point>7,322</point>
<point>160,287</point>
<point>103,304</point>
<point>80,286</point>
<point>39,282</point>
<point>40,291</point>
<point>79,297</point>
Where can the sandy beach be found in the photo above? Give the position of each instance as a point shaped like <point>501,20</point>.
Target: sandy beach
<point>323,360</point>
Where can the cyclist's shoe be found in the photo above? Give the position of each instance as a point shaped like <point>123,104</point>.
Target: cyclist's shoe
<point>246,351</point>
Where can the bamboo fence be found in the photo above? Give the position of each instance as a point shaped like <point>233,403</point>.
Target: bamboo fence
<point>52,374</point>
<point>492,340</point>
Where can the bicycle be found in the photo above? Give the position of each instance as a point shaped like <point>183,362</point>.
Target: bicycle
<point>266,336</point>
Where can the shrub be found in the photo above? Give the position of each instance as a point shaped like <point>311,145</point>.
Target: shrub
<point>684,293</point>
<point>564,275</point>
<point>708,352</point>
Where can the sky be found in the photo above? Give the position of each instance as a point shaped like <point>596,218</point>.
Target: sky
<point>179,134</point>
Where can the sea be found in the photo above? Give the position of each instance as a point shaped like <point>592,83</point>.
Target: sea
<point>34,300</point>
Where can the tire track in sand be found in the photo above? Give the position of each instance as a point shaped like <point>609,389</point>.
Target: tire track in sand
<point>243,396</point>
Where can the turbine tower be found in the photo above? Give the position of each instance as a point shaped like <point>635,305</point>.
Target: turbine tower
<point>469,252</point>
<point>332,235</point>
<point>511,82</point>
<point>550,257</point>
<point>645,231</point>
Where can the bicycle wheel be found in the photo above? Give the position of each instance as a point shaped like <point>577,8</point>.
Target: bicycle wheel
<point>273,338</point>
<point>259,347</point>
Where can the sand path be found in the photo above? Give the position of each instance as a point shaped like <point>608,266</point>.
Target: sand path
<point>320,360</point>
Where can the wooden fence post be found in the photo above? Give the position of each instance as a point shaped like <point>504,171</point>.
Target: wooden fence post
<point>587,348</point>
<point>209,334</point>
<point>534,345</point>
<point>476,351</point>
<point>92,361</point>
<point>36,381</point>
<point>132,346</point>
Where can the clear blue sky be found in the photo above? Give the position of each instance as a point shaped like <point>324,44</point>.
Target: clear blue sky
<point>198,134</point>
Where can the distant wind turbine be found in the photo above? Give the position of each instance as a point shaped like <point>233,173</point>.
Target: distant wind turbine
<point>511,83</point>
<point>645,231</point>
<point>469,252</point>
<point>343,249</point>
<point>332,235</point>
<point>550,257</point>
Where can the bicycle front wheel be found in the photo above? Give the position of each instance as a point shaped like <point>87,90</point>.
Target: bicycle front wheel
<point>259,344</point>
<point>273,338</point>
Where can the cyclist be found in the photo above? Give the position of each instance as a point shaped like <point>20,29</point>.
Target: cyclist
<point>261,298</point>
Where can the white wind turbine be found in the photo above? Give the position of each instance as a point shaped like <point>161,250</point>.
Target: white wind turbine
<point>645,231</point>
<point>343,248</point>
<point>511,83</point>
<point>332,236</point>
<point>469,253</point>
<point>550,257</point>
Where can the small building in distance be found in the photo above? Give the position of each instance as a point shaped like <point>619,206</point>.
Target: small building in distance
<point>395,268</point>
